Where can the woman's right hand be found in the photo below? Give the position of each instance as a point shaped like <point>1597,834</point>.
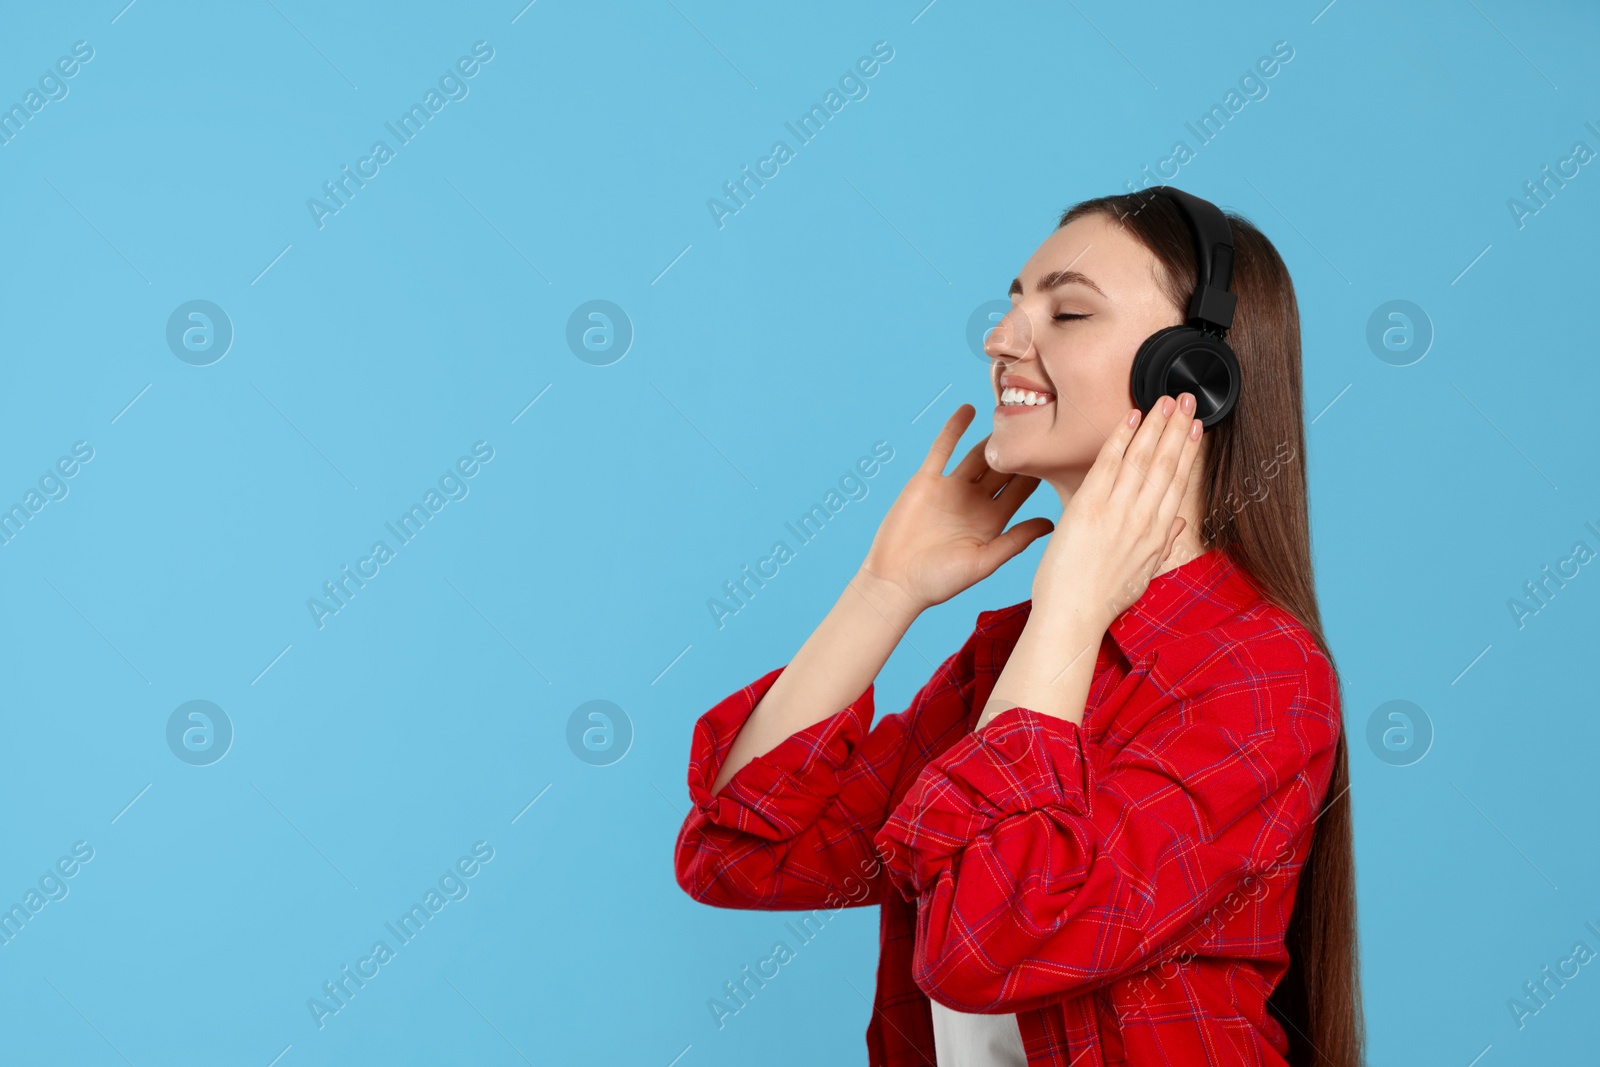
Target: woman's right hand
<point>943,534</point>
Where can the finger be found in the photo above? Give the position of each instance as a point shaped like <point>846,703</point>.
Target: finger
<point>994,482</point>
<point>1010,498</point>
<point>1155,458</point>
<point>1012,542</point>
<point>945,442</point>
<point>1134,473</point>
<point>973,465</point>
<point>1183,473</point>
<point>1175,437</point>
<point>1172,539</point>
<point>1159,561</point>
<point>1102,475</point>
<point>1012,494</point>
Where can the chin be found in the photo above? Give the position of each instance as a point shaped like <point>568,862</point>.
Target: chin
<point>996,458</point>
<point>1005,460</point>
<point>1010,457</point>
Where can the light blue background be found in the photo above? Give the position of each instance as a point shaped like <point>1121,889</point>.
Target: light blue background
<point>769,355</point>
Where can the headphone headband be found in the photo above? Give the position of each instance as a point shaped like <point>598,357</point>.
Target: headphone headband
<point>1211,306</point>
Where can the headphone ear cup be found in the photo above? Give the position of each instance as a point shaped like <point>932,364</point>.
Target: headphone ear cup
<point>1183,359</point>
<point>1149,367</point>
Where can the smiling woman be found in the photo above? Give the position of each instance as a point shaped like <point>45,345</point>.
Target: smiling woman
<point>1114,826</point>
<point>1069,340</point>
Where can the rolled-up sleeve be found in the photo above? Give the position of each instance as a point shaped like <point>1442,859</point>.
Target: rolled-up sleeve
<point>1039,871</point>
<point>793,828</point>
<point>1021,762</point>
<point>778,794</point>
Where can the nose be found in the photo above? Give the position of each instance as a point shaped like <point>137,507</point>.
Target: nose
<point>1011,339</point>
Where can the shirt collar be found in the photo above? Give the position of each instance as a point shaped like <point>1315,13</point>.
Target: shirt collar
<point>1188,599</point>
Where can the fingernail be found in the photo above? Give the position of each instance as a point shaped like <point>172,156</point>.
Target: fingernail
<point>1133,417</point>
<point>1186,401</point>
<point>1166,405</point>
<point>1194,430</point>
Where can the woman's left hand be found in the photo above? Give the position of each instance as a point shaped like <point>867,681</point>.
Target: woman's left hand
<point>1120,525</point>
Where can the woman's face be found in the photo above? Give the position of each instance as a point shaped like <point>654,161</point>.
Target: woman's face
<point>1085,301</point>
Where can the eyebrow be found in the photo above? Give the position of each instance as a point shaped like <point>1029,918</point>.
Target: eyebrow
<point>1054,279</point>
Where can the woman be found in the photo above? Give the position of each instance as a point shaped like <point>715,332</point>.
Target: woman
<point>1114,826</point>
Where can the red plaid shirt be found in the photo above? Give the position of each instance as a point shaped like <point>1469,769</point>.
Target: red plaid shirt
<point>1123,886</point>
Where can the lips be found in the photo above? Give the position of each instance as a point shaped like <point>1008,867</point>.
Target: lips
<point>1020,382</point>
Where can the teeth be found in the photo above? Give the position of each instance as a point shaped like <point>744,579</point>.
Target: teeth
<point>1012,395</point>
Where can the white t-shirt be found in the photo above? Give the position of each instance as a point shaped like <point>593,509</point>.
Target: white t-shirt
<point>961,1039</point>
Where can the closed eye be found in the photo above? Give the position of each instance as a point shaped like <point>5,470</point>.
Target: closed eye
<point>1066,316</point>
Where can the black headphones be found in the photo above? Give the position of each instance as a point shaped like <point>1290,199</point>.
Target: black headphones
<point>1194,357</point>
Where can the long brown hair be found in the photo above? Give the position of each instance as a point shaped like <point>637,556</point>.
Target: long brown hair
<point>1318,999</point>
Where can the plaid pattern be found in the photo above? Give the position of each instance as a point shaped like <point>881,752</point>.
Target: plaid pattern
<point>1123,886</point>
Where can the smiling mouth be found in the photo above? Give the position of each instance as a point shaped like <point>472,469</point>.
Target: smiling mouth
<point>1013,397</point>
